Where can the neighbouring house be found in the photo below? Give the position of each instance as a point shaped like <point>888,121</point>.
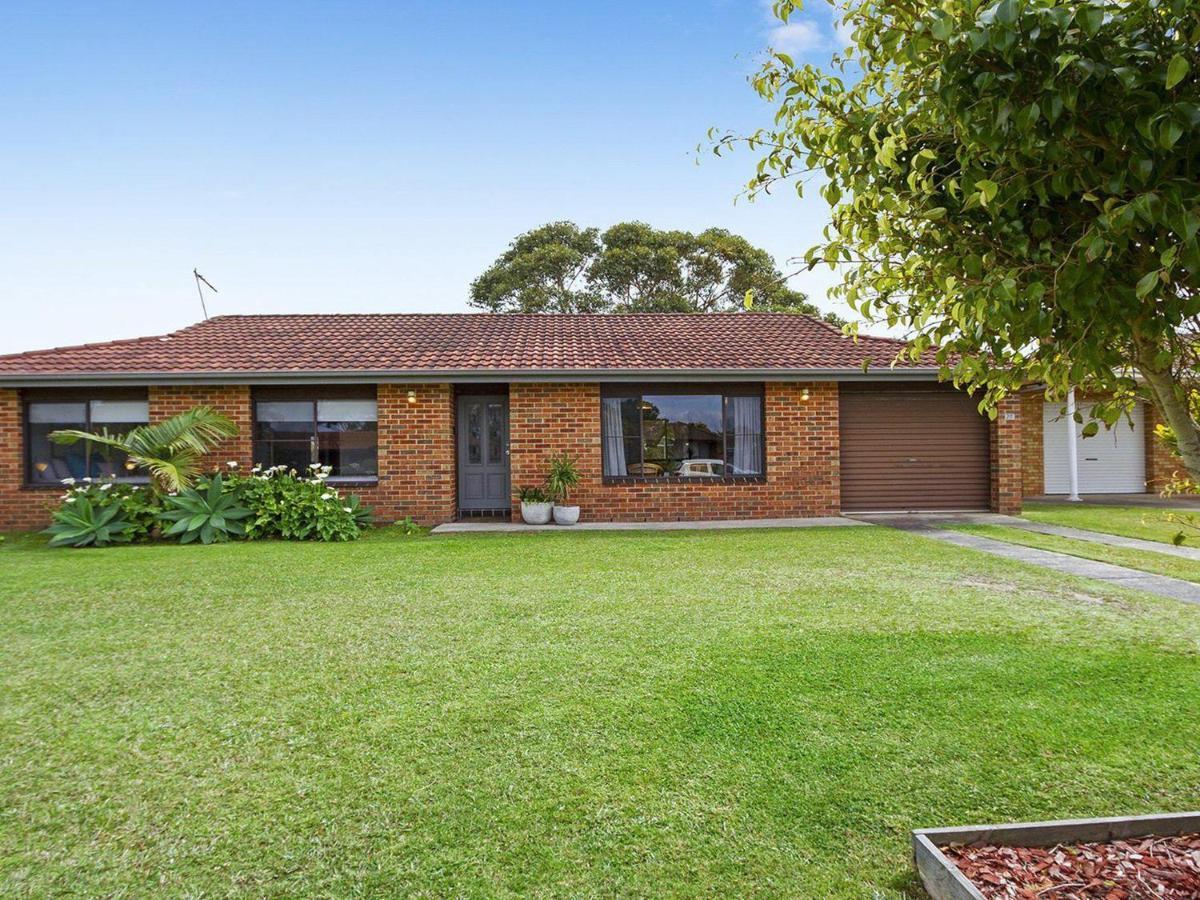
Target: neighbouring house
<point>670,417</point>
<point>1124,459</point>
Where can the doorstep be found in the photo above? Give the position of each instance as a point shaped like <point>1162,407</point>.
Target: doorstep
<point>706,525</point>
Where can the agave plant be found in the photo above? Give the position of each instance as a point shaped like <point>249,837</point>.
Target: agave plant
<point>171,451</point>
<point>80,523</point>
<point>207,515</point>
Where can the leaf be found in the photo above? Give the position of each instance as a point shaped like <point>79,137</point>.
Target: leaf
<point>1177,70</point>
<point>933,215</point>
<point>987,190</point>
<point>1146,284</point>
<point>1090,429</point>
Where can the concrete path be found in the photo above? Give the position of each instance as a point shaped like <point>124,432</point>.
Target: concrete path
<point>1154,501</point>
<point>934,526</point>
<point>1112,540</point>
<point>519,527</point>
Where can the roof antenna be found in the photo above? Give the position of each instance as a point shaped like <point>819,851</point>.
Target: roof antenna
<point>199,290</point>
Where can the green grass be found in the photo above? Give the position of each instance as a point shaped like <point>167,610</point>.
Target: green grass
<point>1143,560</point>
<point>1147,523</point>
<point>681,713</point>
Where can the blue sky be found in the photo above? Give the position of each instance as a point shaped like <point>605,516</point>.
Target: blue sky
<point>358,157</point>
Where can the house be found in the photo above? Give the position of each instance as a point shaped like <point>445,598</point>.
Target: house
<point>670,417</point>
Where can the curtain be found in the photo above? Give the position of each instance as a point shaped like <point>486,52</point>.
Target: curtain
<point>614,437</point>
<point>747,435</point>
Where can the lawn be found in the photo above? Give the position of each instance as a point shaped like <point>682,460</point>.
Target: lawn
<point>1147,523</point>
<point>580,714</point>
<point>1143,560</point>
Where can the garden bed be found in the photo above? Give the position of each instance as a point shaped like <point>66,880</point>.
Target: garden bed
<point>1117,859</point>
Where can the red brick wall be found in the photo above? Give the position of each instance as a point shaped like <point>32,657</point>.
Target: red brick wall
<point>801,448</point>
<point>1007,453</point>
<point>232,400</point>
<point>417,475</point>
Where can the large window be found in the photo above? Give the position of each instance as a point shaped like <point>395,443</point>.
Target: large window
<point>660,432</point>
<point>49,463</point>
<point>336,431</point>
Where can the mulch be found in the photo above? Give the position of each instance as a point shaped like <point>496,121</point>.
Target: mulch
<point>1164,868</point>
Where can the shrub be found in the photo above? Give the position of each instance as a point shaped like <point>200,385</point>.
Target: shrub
<point>136,503</point>
<point>533,495</point>
<point>209,513</point>
<point>284,504</point>
<point>82,523</point>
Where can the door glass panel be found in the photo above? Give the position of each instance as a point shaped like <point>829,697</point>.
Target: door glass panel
<point>474,434</point>
<point>495,433</point>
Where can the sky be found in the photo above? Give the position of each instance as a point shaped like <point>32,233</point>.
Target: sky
<point>360,156</point>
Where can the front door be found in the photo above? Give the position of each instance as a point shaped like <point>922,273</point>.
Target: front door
<point>483,480</point>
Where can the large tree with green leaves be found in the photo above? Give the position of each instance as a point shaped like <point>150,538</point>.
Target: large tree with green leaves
<point>632,267</point>
<point>1017,183</point>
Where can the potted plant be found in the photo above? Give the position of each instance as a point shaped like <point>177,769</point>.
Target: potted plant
<point>536,505</point>
<point>564,475</point>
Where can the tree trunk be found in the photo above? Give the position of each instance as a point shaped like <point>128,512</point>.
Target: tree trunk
<point>1171,400</point>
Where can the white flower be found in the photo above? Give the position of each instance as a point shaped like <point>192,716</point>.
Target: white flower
<point>232,464</point>
<point>327,496</point>
<point>314,465</point>
<point>347,509</point>
<point>257,467</point>
<point>70,500</point>
<point>87,481</point>
<point>106,487</point>
<point>68,481</point>
<point>81,490</point>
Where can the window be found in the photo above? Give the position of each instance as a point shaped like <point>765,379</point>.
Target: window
<point>340,432</point>
<point>682,433</point>
<point>49,463</point>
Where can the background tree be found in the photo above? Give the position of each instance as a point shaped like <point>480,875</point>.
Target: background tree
<point>1016,182</point>
<point>633,267</point>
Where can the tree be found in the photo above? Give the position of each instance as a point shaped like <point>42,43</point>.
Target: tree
<point>1016,182</point>
<point>633,267</point>
<point>170,450</point>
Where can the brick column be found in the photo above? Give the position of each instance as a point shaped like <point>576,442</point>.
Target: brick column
<point>1161,463</point>
<point>232,400</point>
<point>1033,480</point>
<point>1006,454</point>
<point>416,455</point>
<point>21,508</point>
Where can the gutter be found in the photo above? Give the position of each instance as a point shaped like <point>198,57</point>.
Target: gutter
<point>459,376</point>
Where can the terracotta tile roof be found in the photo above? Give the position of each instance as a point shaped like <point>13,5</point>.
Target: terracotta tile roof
<point>348,343</point>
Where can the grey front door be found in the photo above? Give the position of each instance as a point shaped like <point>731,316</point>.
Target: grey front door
<point>483,481</point>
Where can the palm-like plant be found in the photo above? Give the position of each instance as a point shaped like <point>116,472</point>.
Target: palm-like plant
<point>170,450</point>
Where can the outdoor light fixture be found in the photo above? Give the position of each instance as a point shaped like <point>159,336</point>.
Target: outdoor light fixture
<point>130,466</point>
<point>412,396</point>
<point>804,394</point>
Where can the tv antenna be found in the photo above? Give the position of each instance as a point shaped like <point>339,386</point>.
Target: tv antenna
<point>201,280</point>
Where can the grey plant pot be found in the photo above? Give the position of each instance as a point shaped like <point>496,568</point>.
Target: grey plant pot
<point>536,513</point>
<point>566,515</point>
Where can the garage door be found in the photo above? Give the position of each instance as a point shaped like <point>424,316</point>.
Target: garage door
<point>912,450</point>
<point>1113,461</point>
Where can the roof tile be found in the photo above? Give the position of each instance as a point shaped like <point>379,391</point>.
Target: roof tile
<point>432,343</point>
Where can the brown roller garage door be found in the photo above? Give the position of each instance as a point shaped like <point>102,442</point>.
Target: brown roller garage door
<point>912,449</point>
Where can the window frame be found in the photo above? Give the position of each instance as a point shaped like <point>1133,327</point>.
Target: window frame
<point>313,394</point>
<point>31,398</point>
<point>639,390</point>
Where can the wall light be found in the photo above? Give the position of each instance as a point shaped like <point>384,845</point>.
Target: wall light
<point>804,394</point>
<point>412,396</point>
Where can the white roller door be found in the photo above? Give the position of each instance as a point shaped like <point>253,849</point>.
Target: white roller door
<point>1113,461</point>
